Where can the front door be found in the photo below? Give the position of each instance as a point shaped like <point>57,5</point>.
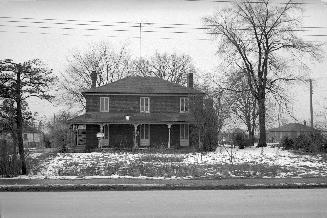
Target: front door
<point>184,135</point>
<point>145,135</point>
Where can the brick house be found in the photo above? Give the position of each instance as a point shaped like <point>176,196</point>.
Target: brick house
<point>136,112</point>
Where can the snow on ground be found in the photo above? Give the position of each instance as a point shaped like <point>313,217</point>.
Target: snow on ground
<point>268,162</point>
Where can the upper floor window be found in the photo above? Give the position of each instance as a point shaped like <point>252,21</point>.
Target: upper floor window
<point>104,104</point>
<point>184,103</point>
<point>145,104</point>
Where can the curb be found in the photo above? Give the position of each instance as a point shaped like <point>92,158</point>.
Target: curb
<point>150,187</point>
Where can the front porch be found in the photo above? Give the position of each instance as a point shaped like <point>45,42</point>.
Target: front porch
<point>132,136</point>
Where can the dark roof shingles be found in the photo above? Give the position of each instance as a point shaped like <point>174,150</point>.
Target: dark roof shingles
<point>142,85</point>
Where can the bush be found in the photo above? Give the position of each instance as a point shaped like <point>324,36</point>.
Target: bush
<point>319,143</point>
<point>315,142</point>
<point>9,164</point>
<point>302,142</point>
<point>287,143</point>
<point>240,139</point>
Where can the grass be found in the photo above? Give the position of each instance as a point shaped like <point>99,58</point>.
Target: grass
<point>169,164</point>
<point>170,170</point>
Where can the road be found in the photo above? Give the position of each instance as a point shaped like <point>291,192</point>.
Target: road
<point>211,203</point>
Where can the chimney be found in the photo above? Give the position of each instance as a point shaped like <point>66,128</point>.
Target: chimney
<point>93,79</point>
<point>305,123</point>
<point>190,80</point>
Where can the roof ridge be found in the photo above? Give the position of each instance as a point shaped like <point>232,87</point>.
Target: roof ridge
<point>143,84</point>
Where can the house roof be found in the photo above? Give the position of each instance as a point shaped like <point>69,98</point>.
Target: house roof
<point>143,85</point>
<point>292,127</point>
<point>30,129</point>
<point>119,118</point>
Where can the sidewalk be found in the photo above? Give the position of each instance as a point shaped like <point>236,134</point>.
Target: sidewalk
<point>156,184</point>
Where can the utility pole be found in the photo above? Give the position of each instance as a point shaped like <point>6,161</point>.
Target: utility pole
<point>279,114</point>
<point>140,40</point>
<point>311,107</point>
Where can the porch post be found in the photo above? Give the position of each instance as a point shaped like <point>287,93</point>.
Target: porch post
<point>99,139</point>
<point>169,126</point>
<point>75,127</point>
<point>135,133</point>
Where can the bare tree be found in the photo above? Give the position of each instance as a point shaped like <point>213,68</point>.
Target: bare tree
<point>171,67</point>
<point>261,37</point>
<point>211,112</point>
<point>243,105</point>
<point>109,63</point>
<point>58,131</point>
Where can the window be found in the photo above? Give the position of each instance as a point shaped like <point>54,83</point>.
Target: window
<point>145,104</point>
<point>104,104</point>
<point>25,136</point>
<point>184,131</point>
<point>184,104</point>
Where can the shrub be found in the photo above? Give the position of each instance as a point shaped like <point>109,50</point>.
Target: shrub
<point>9,164</point>
<point>239,139</point>
<point>302,142</point>
<point>315,142</point>
<point>319,143</point>
<point>287,143</point>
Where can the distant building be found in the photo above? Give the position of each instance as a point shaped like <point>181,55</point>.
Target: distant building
<point>291,130</point>
<point>32,138</point>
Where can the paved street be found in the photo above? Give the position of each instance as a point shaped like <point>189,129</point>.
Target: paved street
<point>219,203</point>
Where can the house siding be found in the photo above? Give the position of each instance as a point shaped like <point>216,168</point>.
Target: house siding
<point>131,103</point>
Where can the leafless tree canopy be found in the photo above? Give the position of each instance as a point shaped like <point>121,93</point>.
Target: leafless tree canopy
<point>109,63</point>
<point>243,105</point>
<point>263,38</point>
<point>171,67</point>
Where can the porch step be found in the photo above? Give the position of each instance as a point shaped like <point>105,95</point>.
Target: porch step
<point>79,148</point>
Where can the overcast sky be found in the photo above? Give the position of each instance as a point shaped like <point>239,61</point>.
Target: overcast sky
<point>51,29</point>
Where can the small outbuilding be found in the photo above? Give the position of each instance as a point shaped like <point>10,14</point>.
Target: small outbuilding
<point>291,130</point>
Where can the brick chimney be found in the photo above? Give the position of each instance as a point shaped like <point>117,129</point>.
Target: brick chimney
<point>190,80</point>
<point>93,79</point>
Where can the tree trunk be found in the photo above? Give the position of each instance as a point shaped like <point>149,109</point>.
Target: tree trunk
<point>19,122</point>
<point>14,137</point>
<point>262,121</point>
<point>251,136</point>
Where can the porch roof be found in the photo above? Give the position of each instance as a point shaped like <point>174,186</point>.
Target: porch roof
<point>135,118</point>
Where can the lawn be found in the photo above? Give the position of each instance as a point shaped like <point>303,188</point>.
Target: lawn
<point>251,162</point>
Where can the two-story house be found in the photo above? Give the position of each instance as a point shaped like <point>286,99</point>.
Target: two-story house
<point>136,112</point>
